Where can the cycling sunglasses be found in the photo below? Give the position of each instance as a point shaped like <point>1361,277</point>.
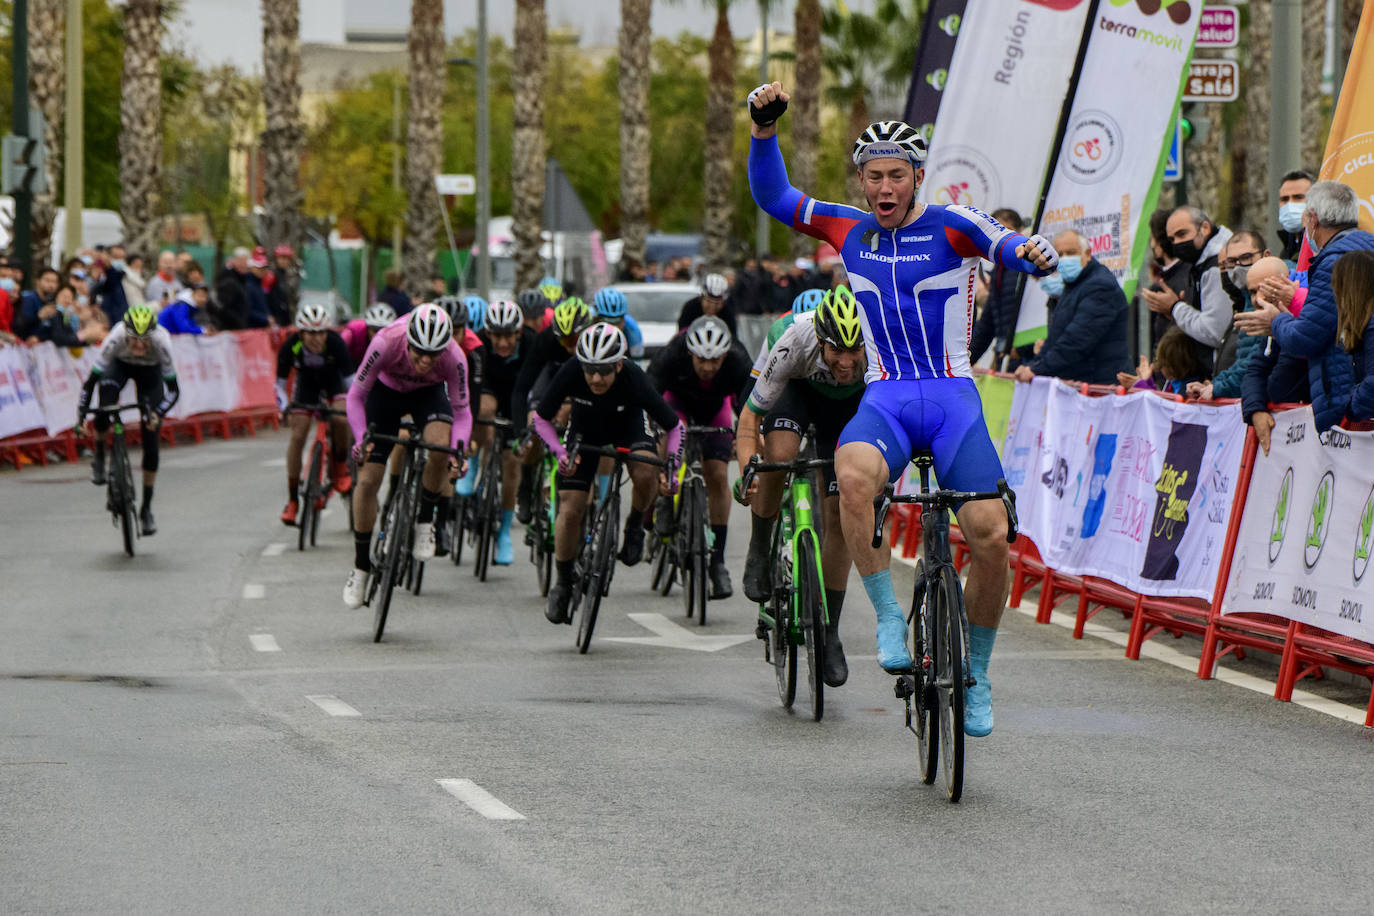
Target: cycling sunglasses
<point>600,370</point>
<point>432,354</point>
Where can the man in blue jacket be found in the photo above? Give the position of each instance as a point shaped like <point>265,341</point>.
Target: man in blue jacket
<point>1086,340</point>
<point>1330,222</point>
<point>184,314</point>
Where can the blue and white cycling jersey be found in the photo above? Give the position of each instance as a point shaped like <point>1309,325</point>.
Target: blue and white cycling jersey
<point>634,338</point>
<point>914,284</point>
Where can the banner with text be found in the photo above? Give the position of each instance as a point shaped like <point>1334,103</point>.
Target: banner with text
<point>1350,145</point>
<point>939,33</point>
<point>1106,172</point>
<point>1308,529</point>
<point>1002,100</point>
<point>19,408</point>
<point>1135,489</point>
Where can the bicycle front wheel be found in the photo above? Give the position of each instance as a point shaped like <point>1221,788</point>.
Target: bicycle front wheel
<point>122,476</point>
<point>597,580</point>
<point>784,649</point>
<point>923,705</point>
<point>309,493</point>
<point>811,612</point>
<point>396,545</point>
<point>949,662</point>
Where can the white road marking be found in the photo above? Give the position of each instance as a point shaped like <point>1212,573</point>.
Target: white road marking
<point>333,705</point>
<point>674,636</point>
<point>253,590</point>
<point>264,642</point>
<point>326,512</point>
<point>480,800</point>
<point>273,463</point>
<point>274,550</point>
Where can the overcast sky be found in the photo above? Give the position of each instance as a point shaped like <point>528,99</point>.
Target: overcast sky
<point>217,31</point>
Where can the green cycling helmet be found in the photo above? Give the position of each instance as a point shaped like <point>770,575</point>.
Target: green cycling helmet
<point>552,290</point>
<point>140,321</point>
<point>571,317</point>
<point>837,320</point>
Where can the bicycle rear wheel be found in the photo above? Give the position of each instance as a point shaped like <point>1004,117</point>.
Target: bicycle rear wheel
<point>949,612</point>
<point>597,580</point>
<point>811,611</point>
<point>688,532</point>
<point>308,494</point>
<point>924,704</point>
<point>396,544</point>
<point>488,509</point>
<point>124,500</point>
<point>784,649</point>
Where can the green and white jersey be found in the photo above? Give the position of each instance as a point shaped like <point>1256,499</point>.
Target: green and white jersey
<point>116,349</point>
<point>793,351</point>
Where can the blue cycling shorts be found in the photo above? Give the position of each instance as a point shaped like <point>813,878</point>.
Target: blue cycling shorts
<point>944,415</point>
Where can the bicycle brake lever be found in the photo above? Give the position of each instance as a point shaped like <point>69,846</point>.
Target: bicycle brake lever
<point>1009,503</point>
<point>880,507</point>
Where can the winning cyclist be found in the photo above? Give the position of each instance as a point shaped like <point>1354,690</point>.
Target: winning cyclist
<point>913,268</point>
<point>507,343</point>
<point>320,359</point>
<point>813,376</point>
<point>138,349</point>
<point>611,396</point>
<point>699,373</point>
<point>610,306</point>
<point>416,368</point>
<point>358,333</point>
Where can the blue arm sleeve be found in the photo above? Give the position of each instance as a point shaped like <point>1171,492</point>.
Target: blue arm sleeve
<point>768,181</point>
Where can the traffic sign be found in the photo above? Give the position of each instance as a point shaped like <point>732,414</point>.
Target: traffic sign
<point>1212,81</point>
<point>455,184</point>
<point>1173,165</point>
<point>1219,27</point>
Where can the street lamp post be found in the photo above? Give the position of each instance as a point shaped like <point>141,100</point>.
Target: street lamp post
<point>483,152</point>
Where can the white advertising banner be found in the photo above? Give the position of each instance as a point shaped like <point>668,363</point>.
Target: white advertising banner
<point>59,376</point>
<point>1105,177</point>
<point>1002,98</point>
<point>207,371</point>
<point>1308,529</point>
<point>1135,489</point>
<point>19,408</point>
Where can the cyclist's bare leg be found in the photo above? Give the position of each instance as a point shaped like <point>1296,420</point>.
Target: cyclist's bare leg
<point>436,463</point>
<point>984,525</point>
<point>567,530</point>
<point>717,474</point>
<point>340,435</point>
<point>365,490</point>
<point>643,480</point>
<point>778,446</point>
<point>299,424</point>
<point>511,469</point>
<point>834,551</point>
<point>861,472</point>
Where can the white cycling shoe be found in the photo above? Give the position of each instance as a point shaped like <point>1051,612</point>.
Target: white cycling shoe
<point>424,542</point>
<point>355,588</point>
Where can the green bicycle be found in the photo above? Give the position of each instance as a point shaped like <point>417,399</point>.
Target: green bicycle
<point>539,532</point>
<point>120,497</point>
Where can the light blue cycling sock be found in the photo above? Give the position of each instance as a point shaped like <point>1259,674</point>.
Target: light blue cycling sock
<point>603,484</point>
<point>980,640</point>
<point>506,516</point>
<point>879,588</point>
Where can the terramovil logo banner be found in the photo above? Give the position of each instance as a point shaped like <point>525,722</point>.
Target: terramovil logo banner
<point>1105,177</point>
<point>1134,489</point>
<point>1002,98</point>
<point>1308,530</point>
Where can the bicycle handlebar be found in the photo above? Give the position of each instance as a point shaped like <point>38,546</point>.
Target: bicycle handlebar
<point>414,442</point>
<point>944,499</point>
<point>709,430</point>
<point>620,453</point>
<point>119,408</point>
<point>498,422</point>
<point>799,465</point>
<point>319,408</point>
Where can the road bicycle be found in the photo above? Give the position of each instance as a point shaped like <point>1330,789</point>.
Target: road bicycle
<point>120,498</point>
<point>483,518</point>
<point>595,564</point>
<point>683,552</point>
<point>393,559</point>
<point>539,532</point>
<point>318,480</point>
<point>795,614</point>
<point>937,633</point>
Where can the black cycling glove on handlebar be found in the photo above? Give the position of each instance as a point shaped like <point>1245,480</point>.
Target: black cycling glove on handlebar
<point>767,114</point>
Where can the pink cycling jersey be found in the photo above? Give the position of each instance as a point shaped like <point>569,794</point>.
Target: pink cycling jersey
<point>355,336</point>
<point>388,360</point>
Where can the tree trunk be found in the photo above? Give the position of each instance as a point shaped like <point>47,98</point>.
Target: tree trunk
<point>47,83</point>
<point>858,120</point>
<point>806,107</point>
<point>424,142</point>
<point>140,123</point>
<point>527,142</point>
<point>1350,24</point>
<point>1258,203</point>
<point>284,138</point>
<point>634,129</point>
<point>1312,119</point>
<point>720,136</point>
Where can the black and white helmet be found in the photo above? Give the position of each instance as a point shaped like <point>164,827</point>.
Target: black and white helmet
<point>708,337</point>
<point>715,286</point>
<point>455,309</point>
<point>429,329</point>
<point>890,140</point>
<point>312,316</point>
<point>601,343</point>
<point>379,315</point>
<point>504,317</point>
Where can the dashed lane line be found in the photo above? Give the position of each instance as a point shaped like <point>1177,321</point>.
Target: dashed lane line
<point>333,705</point>
<point>274,550</point>
<point>480,800</point>
<point>264,642</point>
<point>252,591</point>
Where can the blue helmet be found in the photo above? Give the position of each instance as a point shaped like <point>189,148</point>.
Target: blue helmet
<point>610,303</point>
<point>477,311</point>
<point>807,301</point>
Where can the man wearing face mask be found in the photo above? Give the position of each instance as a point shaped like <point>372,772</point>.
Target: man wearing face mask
<point>1292,203</point>
<point>1086,339</point>
<point>1204,310</point>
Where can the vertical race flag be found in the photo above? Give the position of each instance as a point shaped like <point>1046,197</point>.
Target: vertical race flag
<point>1006,88</point>
<point>1350,146</point>
<point>1105,176</point>
<point>933,54</point>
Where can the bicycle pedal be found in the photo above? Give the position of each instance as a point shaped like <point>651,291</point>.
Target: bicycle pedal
<point>905,688</point>
<point>761,632</point>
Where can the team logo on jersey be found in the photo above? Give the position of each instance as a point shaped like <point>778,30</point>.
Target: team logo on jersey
<point>1092,147</point>
<point>870,238</point>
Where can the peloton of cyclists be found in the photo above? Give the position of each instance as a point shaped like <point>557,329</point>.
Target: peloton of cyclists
<point>507,343</point>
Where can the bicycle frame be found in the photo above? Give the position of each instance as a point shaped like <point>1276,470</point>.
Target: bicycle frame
<point>796,514</point>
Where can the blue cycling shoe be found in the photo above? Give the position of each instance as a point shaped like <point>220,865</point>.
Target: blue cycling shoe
<point>978,698</point>
<point>468,482</point>
<point>505,550</point>
<point>893,655</point>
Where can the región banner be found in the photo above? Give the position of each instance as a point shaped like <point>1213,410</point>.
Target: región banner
<point>1308,529</point>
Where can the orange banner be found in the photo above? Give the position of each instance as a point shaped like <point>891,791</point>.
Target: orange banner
<point>1350,147</point>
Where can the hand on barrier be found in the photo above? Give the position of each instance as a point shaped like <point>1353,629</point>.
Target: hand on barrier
<point>1263,422</point>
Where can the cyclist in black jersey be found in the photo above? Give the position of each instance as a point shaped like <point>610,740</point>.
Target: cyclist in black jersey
<point>507,344</point>
<point>319,357</point>
<point>610,399</point>
<point>701,374</point>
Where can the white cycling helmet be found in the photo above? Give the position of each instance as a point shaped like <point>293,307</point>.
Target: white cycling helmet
<point>429,329</point>
<point>312,317</point>
<point>708,337</point>
<point>601,343</point>
<point>379,315</point>
<point>504,317</point>
<point>890,140</point>
<point>715,286</point>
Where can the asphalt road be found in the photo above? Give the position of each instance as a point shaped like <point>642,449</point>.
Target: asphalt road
<point>154,760</point>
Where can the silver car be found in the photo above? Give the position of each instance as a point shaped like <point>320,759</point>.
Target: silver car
<point>655,307</point>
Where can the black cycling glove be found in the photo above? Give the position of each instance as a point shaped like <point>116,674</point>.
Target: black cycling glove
<point>769,112</point>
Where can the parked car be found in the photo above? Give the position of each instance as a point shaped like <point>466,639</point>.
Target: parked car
<point>655,307</point>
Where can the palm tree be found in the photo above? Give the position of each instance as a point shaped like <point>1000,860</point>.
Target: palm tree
<point>806,105</point>
<point>424,140</point>
<point>1312,119</point>
<point>851,54</point>
<point>140,122</point>
<point>47,83</point>
<point>635,150</point>
<point>720,141</point>
<point>1252,140</point>
<point>284,138</point>
<point>527,141</point>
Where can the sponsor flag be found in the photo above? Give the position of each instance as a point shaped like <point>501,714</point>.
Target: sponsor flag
<point>1005,90</point>
<point>933,56</point>
<point>1350,145</point>
<point>1105,176</point>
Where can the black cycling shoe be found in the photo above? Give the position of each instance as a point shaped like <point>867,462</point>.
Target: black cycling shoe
<point>836,669</point>
<point>442,540</point>
<point>98,472</point>
<point>149,524</point>
<point>633,549</point>
<point>720,582</point>
<point>524,498</point>
<point>557,608</point>
<point>757,587</point>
